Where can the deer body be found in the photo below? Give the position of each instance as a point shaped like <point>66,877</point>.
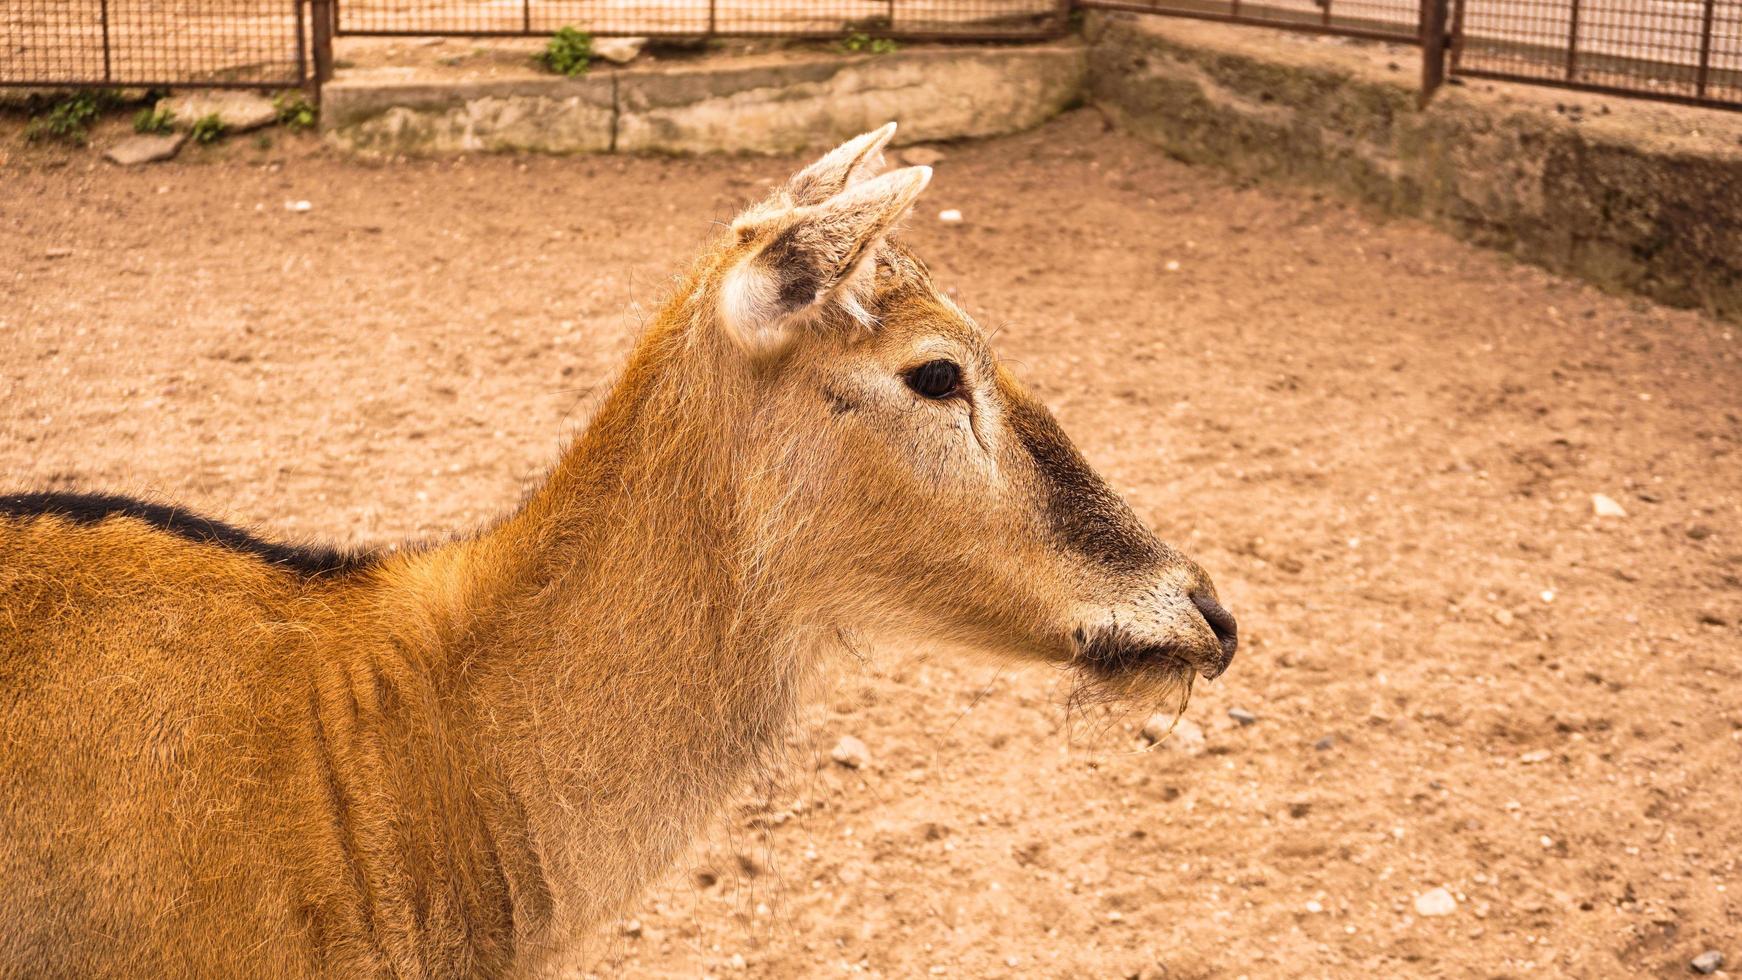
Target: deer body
<point>221,758</point>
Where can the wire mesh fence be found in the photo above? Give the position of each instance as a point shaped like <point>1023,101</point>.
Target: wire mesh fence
<point>1681,50</point>
<point>232,43</point>
<point>1384,20</point>
<point>914,19</point>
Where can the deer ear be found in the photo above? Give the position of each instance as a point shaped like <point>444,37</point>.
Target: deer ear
<point>807,258</point>
<point>845,165</point>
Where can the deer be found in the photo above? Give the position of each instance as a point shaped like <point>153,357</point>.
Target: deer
<point>229,756</point>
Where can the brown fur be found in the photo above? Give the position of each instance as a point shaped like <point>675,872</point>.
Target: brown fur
<point>457,761</point>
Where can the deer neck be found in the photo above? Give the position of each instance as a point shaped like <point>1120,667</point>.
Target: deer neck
<point>644,663</point>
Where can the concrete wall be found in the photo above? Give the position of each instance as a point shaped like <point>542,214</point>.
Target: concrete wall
<point>764,104</point>
<point>1627,194</point>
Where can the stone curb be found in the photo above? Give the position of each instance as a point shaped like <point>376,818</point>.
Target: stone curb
<point>752,105</point>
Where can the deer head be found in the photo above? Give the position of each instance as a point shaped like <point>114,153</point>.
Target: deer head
<point>902,478</point>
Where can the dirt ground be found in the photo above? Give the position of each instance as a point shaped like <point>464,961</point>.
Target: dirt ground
<point>1381,443</point>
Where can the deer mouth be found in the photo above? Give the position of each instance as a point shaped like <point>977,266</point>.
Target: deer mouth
<point>1113,653</point>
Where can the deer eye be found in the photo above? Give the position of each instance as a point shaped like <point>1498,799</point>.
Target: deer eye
<point>935,379</point>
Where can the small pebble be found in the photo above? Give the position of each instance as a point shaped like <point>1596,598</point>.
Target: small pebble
<point>1603,506</point>
<point>921,156</point>
<point>58,253</point>
<point>1699,532</point>
<point>950,217</point>
<point>1326,744</point>
<point>1186,736</point>
<point>1711,961</point>
<point>1437,901</point>
<point>851,752</point>
<point>1243,716</point>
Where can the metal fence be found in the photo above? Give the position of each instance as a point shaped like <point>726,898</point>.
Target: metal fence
<point>1677,50</point>
<point>152,43</point>
<point>1680,50</point>
<point>906,19</point>
<point>1379,20</point>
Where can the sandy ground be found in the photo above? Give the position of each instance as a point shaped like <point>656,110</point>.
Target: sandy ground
<point>1382,443</point>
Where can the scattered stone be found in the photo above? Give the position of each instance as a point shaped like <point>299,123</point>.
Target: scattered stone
<point>1315,906</point>
<point>1711,961</point>
<point>238,111</point>
<point>1603,506</point>
<point>618,50</point>
<point>1710,618</point>
<point>1504,617</point>
<point>58,252</point>
<point>147,148</point>
<point>632,928</point>
<point>300,207</point>
<point>851,752</point>
<point>1172,265</point>
<point>950,217</point>
<point>1187,736</point>
<point>1437,901</point>
<point>1243,716</point>
<point>922,156</point>
<point>1326,744</point>
<point>1699,532</point>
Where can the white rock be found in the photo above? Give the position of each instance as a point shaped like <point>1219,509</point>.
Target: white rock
<point>1606,506</point>
<point>1437,901</point>
<point>300,207</point>
<point>238,111</point>
<point>950,217</point>
<point>1187,735</point>
<point>150,148</point>
<point>618,50</point>
<point>851,752</point>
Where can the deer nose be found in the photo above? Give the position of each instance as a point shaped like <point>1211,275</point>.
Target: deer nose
<point>1227,633</point>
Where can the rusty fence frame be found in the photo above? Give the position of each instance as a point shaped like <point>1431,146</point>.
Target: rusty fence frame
<point>1056,25</point>
<point>300,47</point>
<point>1446,46</point>
<point>1567,66</point>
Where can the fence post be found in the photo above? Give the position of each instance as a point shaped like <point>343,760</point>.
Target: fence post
<point>1434,15</point>
<point>1573,42</point>
<point>108,67</point>
<point>321,22</point>
<point>1705,51</point>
